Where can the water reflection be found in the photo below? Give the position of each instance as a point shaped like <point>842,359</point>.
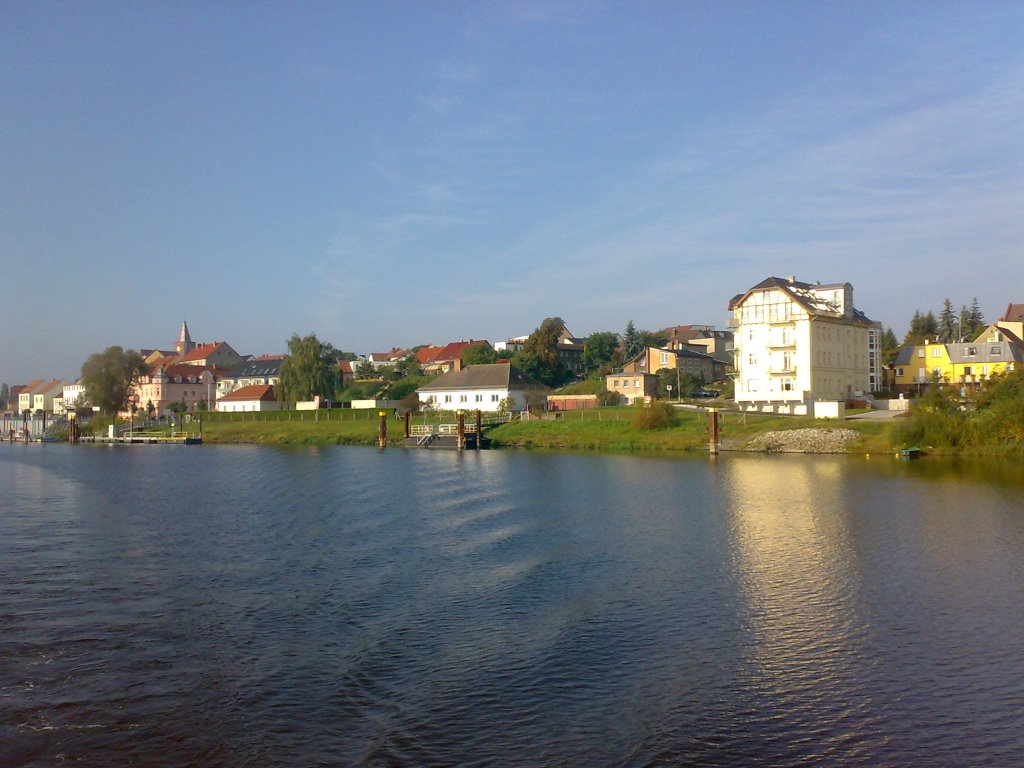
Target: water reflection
<point>799,593</point>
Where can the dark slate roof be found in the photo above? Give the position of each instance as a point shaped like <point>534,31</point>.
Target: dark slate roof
<point>490,376</point>
<point>265,366</point>
<point>905,355</point>
<point>804,294</point>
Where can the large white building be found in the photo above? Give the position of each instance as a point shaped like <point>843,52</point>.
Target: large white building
<point>800,343</point>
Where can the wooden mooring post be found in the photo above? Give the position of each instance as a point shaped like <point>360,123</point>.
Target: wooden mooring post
<point>408,414</point>
<point>460,430</point>
<point>713,431</point>
<point>479,429</point>
<point>382,432</point>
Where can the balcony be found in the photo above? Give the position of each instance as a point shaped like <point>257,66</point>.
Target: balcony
<point>782,343</point>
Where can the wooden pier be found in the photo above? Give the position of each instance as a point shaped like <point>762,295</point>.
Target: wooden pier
<point>179,438</point>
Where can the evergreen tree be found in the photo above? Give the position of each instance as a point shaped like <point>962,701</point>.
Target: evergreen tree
<point>977,320</point>
<point>5,394</point>
<point>630,342</point>
<point>931,325</point>
<point>890,346</point>
<point>948,323</point>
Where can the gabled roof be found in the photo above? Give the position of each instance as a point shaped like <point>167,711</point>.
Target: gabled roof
<point>50,386</point>
<point>32,386</point>
<point>203,351</point>
<point>252,392</point>
<point>393,356</point>
<point>427,354</point>
<point>807,295</point>
<point>345,366</point>
<point>488,376</point>
<point>452,351</point>
<point>1014,314</point>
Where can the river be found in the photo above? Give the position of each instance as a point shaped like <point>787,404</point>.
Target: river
<point>258,606</point>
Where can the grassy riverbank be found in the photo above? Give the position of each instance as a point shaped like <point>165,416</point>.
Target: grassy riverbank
<point>605,429</point>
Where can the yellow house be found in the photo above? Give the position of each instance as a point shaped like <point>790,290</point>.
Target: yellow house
<point>965,364</point>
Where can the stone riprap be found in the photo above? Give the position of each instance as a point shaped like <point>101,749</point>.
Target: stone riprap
<point>803,441</point>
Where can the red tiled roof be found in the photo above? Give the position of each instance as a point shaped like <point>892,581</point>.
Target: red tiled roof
<point>345,366</point>
<point>427,354</point>
<point>201,352</point>
<point>454,350</point>
<point>271,357</point>
<point>252,392</point>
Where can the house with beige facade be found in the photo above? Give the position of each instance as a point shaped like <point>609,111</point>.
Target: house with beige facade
<point>798,343</point>
<point>632,386</point>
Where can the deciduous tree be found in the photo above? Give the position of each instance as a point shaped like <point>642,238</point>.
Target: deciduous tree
<point>108,376</point>
<point>311,369</point>
<point>539,356</point>
<point>600,349</point>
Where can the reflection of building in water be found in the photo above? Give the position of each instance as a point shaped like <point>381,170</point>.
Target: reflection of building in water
<point>792,557</point>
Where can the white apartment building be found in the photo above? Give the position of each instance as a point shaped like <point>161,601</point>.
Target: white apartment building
<point>798,343</point>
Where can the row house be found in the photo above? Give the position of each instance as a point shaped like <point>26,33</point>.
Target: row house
<point>38,395</point>
<point>967,365</point>
<point>797,343</point>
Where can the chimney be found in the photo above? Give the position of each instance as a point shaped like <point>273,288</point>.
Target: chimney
<point>458,364</point>
<point>790,279</point>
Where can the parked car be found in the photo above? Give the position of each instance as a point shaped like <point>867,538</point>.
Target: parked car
<point>705,393</point>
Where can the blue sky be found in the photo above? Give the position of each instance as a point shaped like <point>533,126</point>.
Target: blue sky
<point>402,173</point>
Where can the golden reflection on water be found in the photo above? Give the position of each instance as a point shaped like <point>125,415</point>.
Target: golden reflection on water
<point>792,555</point>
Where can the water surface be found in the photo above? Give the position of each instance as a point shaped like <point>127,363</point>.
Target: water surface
<point>254,606</point>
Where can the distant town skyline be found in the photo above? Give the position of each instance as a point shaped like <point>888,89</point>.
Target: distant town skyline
<point>400,173</point>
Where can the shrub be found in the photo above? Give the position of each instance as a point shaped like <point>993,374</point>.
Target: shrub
<point>655,416</point>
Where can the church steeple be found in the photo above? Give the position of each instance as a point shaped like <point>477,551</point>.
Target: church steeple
<point>184,343</point>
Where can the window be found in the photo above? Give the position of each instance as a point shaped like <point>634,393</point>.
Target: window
<point>463,398</point>
<point>995,350</point>
<point>636,383</point>
<point>495,398</point>
<point>920,352</point>
<point>665,358</point>
<point>447,398</point>
<point>615,383</point>
<point>899,372</point>
<point>967,370</point>
<point>972,351</point>
<point>936,351</point>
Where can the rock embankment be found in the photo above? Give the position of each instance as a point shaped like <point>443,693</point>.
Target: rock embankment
<point>803,441</point>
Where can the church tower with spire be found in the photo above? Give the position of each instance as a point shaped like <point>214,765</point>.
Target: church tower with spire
<point>184,344</point>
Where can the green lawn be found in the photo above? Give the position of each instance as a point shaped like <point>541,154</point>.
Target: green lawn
<point>602,429</point>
